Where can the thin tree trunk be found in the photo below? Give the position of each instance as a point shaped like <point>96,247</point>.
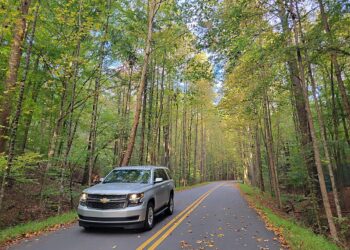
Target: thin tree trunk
<point>16,118</point>
<point>184,139</point>
<point>258,159</point>
<point>93,124</point>
<point>161,108</point>
<point>150,111</point>
<point>270,151</point>
<point>176,137</point>
<point>143,125</point>
<point>153,8</point>
<point>189,147</point>
<point>29,116</point>
<point>71,129</point>
<point>201,163</point>
<point>297,91</point>
<point>195,149</point>
<point>166,131</point>
<point>11,78</point>
<point>319,113</point>
<point>322,183</point>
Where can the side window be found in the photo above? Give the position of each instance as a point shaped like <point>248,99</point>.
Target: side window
<point>168,173</point>
<point>160,173</point>
<point>156,174</point>
<point>163,174</point>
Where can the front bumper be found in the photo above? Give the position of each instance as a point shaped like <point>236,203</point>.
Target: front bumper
<point>129,217</point>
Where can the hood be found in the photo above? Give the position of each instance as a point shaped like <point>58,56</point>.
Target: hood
<point>117,188</point>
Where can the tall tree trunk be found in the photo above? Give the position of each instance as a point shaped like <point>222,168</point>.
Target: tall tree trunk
<point>176,152</point>
<point>71,128</point>
<point>28,118</point>
<point>297,91</point>
<point>270,151</point>
<point>315,143</point>
<point>167,131</point>
<point>183,160</point>
<point>10,86</point>
<point>258,159</point>
<point>93,123</point>
<point>318,109</point>
<point>143,125</point>
<point>195,156</point>
<point>150,110</point>
<point>14,125</point>
<point>153,6</point>
<point>189,147</point>
<point>161,108</point>
<point>202,156</point>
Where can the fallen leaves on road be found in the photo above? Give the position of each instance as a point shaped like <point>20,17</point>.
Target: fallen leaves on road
<point>220,235</point>
<point>277,230</point>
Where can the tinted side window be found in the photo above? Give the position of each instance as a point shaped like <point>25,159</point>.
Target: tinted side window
<point>156,174</point>
<point>160,173</point>
<point>168,173</point>
<point>163,174</point>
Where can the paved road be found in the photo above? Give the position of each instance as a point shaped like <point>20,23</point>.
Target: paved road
<point>213,216</point>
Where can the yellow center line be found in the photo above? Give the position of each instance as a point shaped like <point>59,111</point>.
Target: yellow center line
<point>198,201</point>
<point>177,223</point>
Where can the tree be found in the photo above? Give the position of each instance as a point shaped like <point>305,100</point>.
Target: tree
<point>153,7</point>
<point>10,87</point>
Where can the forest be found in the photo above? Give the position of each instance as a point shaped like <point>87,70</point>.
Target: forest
<point>252,90</point>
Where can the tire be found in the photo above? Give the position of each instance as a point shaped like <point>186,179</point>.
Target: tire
<point>149,220</point>
<point>170,209</point>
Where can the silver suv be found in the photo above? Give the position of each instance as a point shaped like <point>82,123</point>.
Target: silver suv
<point>128,197</point>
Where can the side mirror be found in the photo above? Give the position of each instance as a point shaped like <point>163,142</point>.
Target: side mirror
<point>157,180</point>
<point>102,179</point>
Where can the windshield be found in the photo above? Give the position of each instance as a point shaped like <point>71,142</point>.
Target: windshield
<point>128,176</point>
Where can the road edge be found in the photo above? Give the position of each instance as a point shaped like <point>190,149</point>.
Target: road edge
<point>290,234</point>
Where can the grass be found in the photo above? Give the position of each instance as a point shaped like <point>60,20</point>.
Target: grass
<point>18,231</point>
<point>297,236</point>
<point>182,188</point>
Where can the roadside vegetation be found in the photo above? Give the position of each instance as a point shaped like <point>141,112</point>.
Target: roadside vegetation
<point>291,232</point>
<point>33,228</point>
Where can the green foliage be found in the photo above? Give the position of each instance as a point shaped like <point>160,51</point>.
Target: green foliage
<point>21,166</point>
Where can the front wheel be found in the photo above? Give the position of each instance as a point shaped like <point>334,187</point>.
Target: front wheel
<point>170,209</point>
<point>149,220</point>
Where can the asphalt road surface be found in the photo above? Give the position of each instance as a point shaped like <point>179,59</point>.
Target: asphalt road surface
<point>214,216</point>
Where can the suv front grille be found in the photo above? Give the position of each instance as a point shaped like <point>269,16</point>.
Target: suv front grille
<point>100,201</point>
<point>108,196</point>
<point>109,205</point>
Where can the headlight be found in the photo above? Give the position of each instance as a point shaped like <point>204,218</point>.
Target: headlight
<point>83,199</point>
<point>135,199</point>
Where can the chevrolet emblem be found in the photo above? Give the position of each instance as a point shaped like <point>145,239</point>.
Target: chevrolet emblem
<point>104,200</point>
